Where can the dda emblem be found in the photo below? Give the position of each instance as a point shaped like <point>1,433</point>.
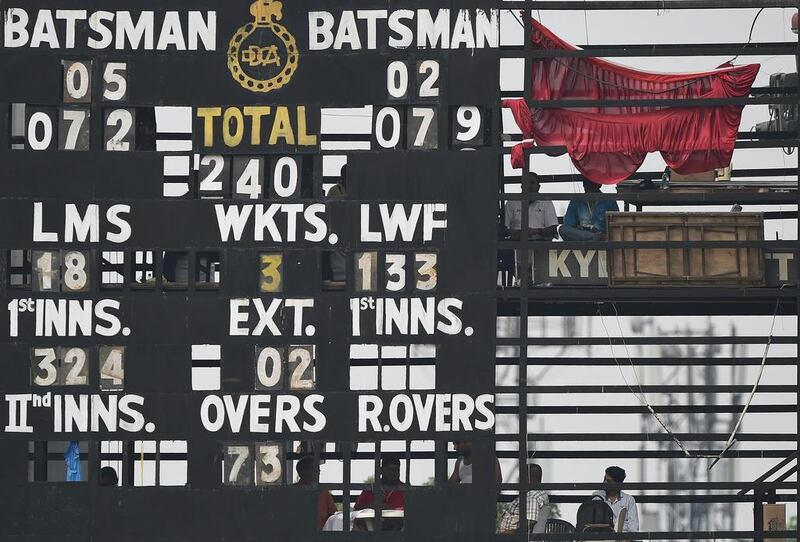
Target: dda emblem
<point>262,55</point>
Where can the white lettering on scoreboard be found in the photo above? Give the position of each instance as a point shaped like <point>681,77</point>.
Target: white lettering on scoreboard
<point>300,222</point>
<point>407,316</point>
<point>229,412</point>
<point>398,224</point>
<point>83,227</point>
<point>440,412</point>
<point>255,413</point>
<point>68,317</point>
<point>394,292</point>
<point>348,30</point>
<point>405,28</point>
<point>79,413</point>
<point>121,30</point>
<point>268,316</point>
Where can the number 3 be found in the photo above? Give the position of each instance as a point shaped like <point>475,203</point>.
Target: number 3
<point>270,279</point>
<point>426,267</point>
<point>46,364</point>
<point>395,272</point>
<point>269,463</point>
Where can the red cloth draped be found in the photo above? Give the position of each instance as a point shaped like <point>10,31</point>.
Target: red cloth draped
<point>608,144</point>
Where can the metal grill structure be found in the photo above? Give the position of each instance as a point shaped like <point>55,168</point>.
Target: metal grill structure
<point>162,323</point>
<point>679,366</point>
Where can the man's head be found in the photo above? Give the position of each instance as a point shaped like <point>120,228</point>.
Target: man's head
<point>390,470</point>
<point>336,191</point>
<point>614,475</point>
<point>463,447</point>
<point>339,190</point>
<point>589,186</point>
<point>533,184</point>
<point>534,473</point>
<point>108,477</point>
<point>307,469</point>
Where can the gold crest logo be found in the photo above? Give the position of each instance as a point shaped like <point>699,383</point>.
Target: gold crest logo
<point>262,55</point>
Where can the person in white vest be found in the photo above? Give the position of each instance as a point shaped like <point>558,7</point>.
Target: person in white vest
<point>462,473</point>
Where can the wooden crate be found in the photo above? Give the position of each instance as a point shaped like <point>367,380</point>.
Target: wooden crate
<point>721,174</point>
<point>703,176</point>
<point>681,266</point>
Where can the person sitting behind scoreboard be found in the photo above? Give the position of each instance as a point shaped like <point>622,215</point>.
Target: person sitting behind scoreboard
<point>586,220</point>
<point>618,501</point>
<point>462,472</point>
<point>537,507</point>
<point>393,499</point>
<point>308,472</point>
<point>542,223</point>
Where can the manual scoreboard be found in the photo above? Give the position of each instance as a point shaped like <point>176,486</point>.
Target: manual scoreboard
<point>235,235</point>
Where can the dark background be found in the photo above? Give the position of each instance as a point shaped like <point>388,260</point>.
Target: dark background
<point>166,323</point>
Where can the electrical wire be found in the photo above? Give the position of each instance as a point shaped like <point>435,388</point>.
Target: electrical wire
<point>643,397</point>
<point>627,352</point>
<point>749,37</point>
<point>586,23</point>
<point>732,439</point>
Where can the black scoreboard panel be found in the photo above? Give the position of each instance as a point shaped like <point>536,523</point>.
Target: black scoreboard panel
<point>188,300</point>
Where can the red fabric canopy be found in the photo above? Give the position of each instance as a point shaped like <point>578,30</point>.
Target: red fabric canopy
<point>608,144</point>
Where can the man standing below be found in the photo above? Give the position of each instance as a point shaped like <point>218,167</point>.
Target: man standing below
<point>586,220</point>
<point>393,499</point>
<point>542,222</point>
<point>537,507</point>
<point>308,472</point>
<point>618,500</point>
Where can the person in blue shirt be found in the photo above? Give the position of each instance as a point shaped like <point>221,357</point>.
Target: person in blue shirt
<point>586,220</point>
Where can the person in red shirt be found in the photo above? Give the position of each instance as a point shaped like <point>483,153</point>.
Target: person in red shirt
<point>393,499</point>
<point>308,470</point>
